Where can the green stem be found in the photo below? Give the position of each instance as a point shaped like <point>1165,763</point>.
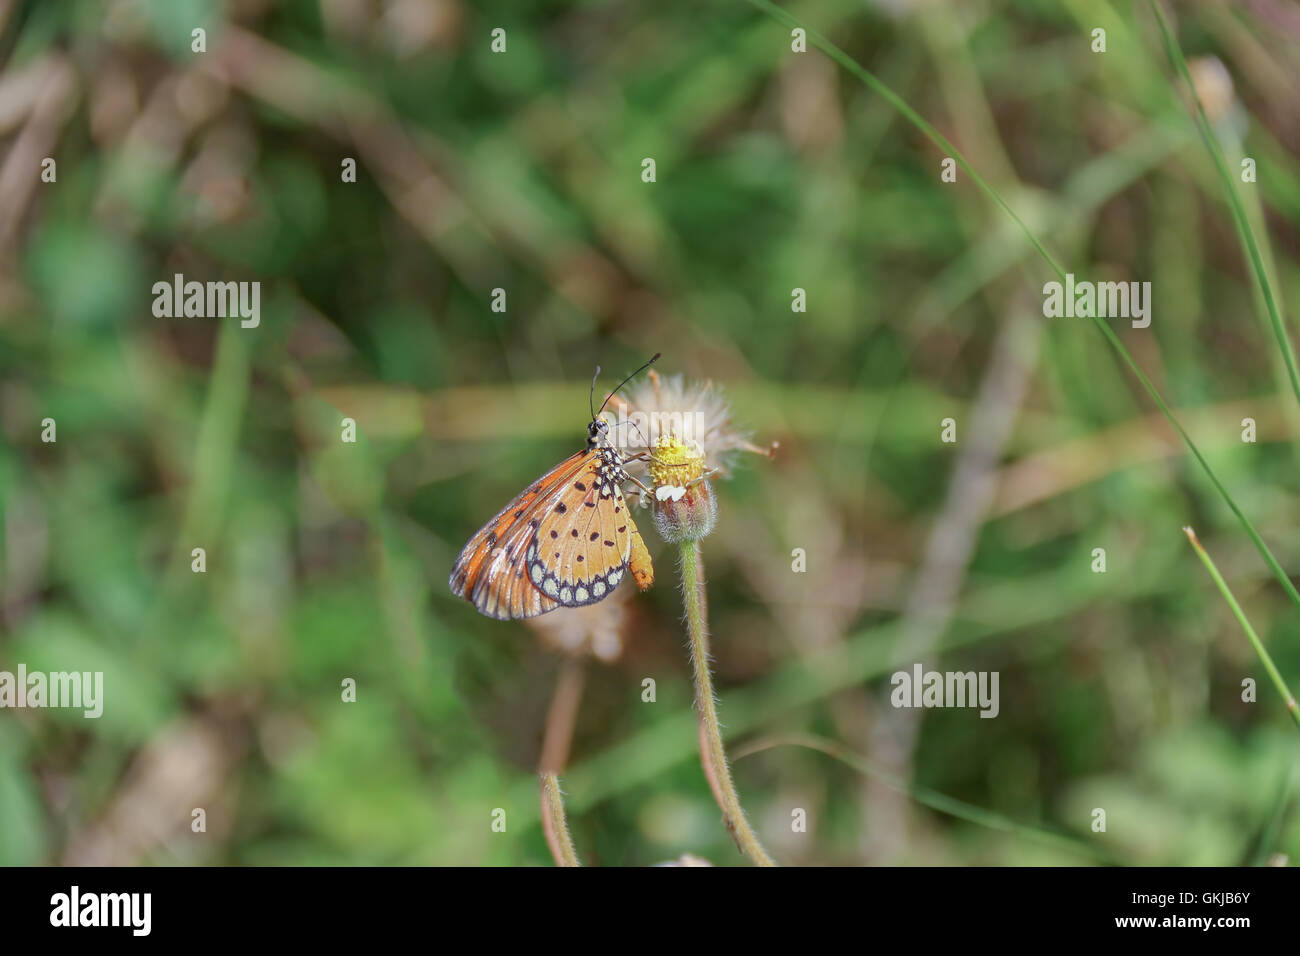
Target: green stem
<point>554,824</point>
<point>711,751</point>
<point>1287,697</point>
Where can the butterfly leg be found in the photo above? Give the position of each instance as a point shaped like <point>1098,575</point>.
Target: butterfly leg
<point>641,491</point>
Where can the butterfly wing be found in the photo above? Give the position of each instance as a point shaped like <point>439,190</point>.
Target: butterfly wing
<point>566,541</point>
<point>638,562</point>
<point>490,571</point>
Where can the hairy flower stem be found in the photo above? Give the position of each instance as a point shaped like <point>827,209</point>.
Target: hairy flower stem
<point>554,824</point>
<point>712,755</point>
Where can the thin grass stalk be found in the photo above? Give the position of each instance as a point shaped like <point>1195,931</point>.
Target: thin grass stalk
<point>1274,674</point>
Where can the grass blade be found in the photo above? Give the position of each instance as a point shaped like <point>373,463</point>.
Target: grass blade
<point>1287,697</point>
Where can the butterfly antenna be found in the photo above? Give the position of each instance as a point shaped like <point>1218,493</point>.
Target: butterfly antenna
<point>654,358</point>
<point>645,441</point>
<point>591,396</point>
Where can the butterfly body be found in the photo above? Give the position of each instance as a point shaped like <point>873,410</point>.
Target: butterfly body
<point>566,541</point>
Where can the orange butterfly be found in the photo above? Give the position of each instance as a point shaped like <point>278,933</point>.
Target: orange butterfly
<point>566,541</point>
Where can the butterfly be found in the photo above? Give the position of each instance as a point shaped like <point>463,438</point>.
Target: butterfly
<point>566,541</point>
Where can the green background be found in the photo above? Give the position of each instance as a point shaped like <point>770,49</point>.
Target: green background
<point>775,170</point>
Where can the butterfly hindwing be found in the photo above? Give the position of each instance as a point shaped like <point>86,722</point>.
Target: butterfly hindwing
<point>584,540</point>
<point>638,561</point>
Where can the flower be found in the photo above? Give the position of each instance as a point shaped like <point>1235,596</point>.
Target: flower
<point>680,436</point>
<point>677,436</point>
<point>684,506</point>
<point>694,412</point>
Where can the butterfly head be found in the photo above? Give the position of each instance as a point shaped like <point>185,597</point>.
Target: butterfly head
<point>598,433</point>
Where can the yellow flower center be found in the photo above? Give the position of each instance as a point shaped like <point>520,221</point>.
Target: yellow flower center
<point>675,462</point>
